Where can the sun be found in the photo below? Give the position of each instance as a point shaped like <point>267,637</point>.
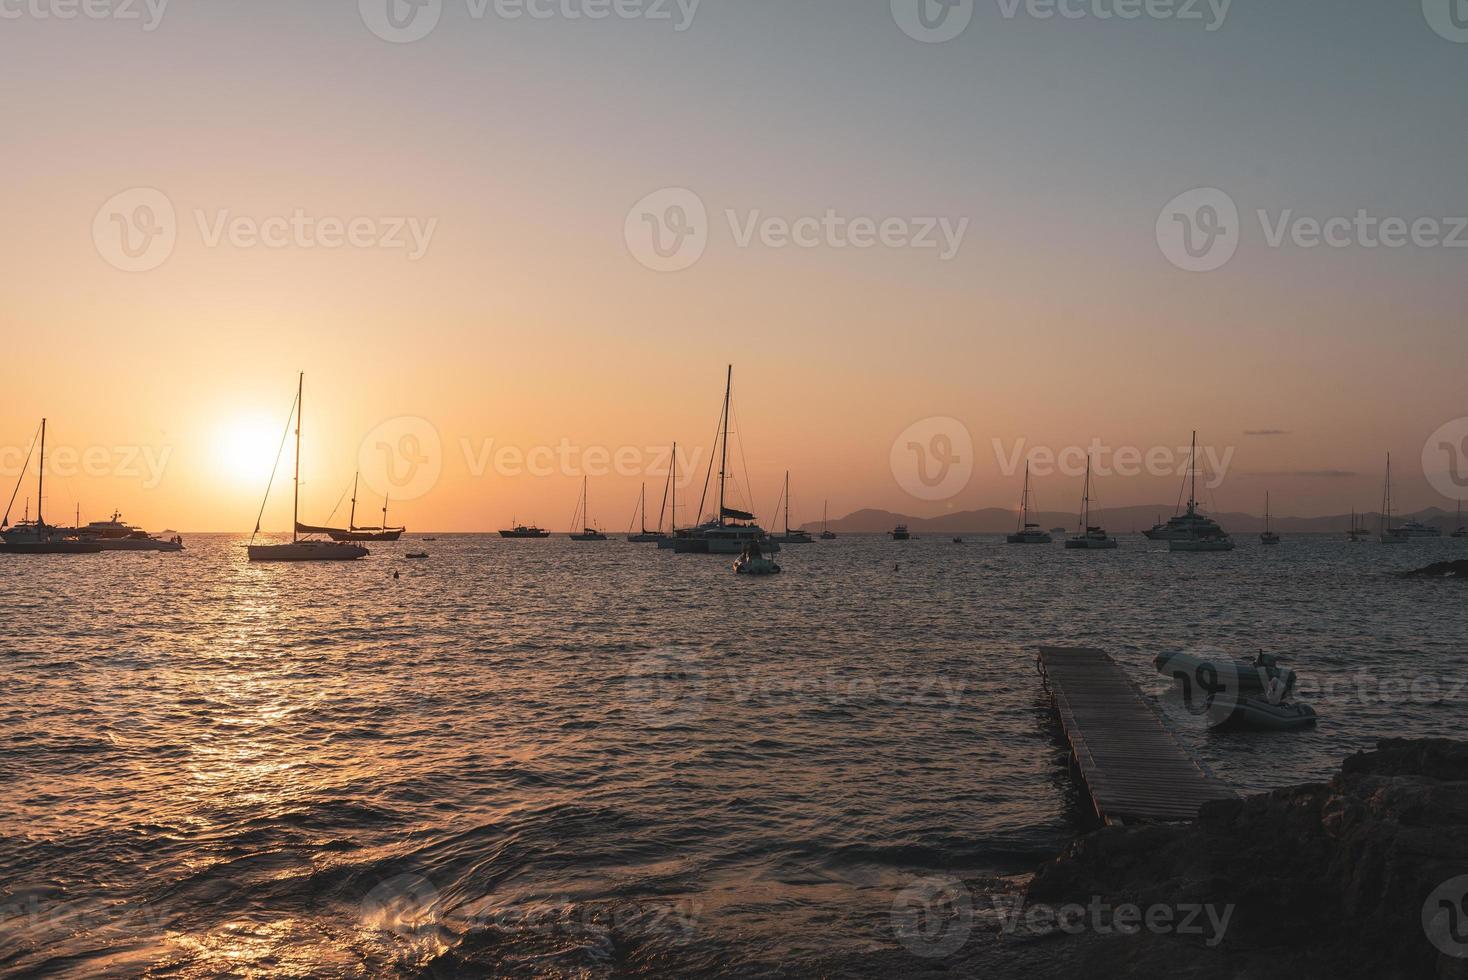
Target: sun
<point>245,448</point>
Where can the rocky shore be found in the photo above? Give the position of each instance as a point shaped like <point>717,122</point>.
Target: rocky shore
<point>1362,876</point>
<point>1349,878</point>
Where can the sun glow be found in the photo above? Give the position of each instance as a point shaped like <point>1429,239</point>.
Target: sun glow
<point>245,448</point>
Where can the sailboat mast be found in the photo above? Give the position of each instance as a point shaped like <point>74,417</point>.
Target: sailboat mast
<point>1024,504</point>
<point>724,446</point>
<point>1193,472</point>
<point>673,485</point>
<point>41,480</point>
<point>787,502</point>
<point>296,493</point>
<point>1086,498</point>
<point>352,521</point>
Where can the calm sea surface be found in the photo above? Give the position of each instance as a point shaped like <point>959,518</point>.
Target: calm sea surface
<point>548,759</point>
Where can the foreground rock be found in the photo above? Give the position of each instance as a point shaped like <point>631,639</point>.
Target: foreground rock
<point>1441,569</point>
<point>1326,880</point>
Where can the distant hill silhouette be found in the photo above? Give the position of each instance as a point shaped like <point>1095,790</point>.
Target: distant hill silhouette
<point>1117,520</point>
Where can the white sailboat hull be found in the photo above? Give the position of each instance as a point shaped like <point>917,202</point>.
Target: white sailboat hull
<point>307,551</point>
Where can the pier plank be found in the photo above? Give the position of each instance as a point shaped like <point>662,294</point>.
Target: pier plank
<point>1133,766</point>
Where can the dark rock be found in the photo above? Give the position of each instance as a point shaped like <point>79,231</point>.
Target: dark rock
<point>1327,879</point>
<point>1441,569</point>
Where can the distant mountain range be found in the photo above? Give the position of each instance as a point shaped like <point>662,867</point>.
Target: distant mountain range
<point>1117,520</point>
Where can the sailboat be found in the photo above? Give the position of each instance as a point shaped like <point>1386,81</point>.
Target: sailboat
<point>355,533</point>
<point>588,533</point>
<point>826,533</point>
<point>645,536</point>
<point>1028,532</point>
<point>790,537</point>
<point>1389,534</point>
<point>669,542</point>
<point>1091,537</point>
<point>1358,532</point>
<point>298,549</point>
<point>1268,537</point>
<point>731,530</point>
<point>1192,531</point>
<point>37,537</point>
<point>1462,531</point>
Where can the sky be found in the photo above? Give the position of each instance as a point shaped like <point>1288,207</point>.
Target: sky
<point>549,235</point>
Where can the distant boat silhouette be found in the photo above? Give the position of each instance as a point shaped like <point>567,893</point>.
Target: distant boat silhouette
<point>1268,537</point>
<point>645,536</point>
<point>1091,537</point>
<point>588,533</point>
<point>355,533</point>
<point>37,537</point>
<point>790,537</point>
<point>1028,532</point>
<point>522,531</point>
<point>1193,531</point>
<point>732,529</point>
<point>298,550</point>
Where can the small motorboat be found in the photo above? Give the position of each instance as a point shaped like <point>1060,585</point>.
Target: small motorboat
<point>1239,695</point>
<point>416,555</point>
<point>1209,675</point>
<point>753,562</point>
<point>958,540</point>
<point>1258,714</point>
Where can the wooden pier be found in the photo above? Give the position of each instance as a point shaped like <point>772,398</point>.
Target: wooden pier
<point>1133,766</point>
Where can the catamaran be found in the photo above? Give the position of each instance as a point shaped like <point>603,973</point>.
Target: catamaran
<point>1268,537</point>
<point>732,529</point>
<point>588,533</point>
<point>790,537</point>
<point>1028,531</point>
<point>1193,531</point>
<point>1190,524</point>
<point>1091,537</point>
<point>354,533</point>
<point>37,537</point>
<point>299,549</point>
<point>826,533</point>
